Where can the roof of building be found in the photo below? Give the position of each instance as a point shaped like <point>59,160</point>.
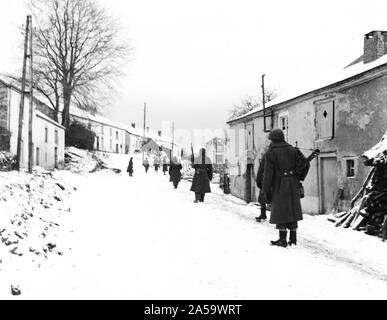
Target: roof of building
<point>43,116</point>
<point>77,112</point>
<point>135,131</point>
<point>344,74</point>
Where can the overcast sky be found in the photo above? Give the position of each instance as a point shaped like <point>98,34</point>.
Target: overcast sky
<point>193,60</point>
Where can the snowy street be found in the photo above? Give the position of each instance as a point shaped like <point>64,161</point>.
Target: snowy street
<point>138,238</point>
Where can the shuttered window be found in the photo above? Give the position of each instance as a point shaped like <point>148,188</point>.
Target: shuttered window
<point>325,120</point>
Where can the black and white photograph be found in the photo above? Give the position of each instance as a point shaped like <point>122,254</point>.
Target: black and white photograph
<point>179,150</point>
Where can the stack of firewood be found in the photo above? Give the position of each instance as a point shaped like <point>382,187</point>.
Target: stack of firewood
<point>369,207</point>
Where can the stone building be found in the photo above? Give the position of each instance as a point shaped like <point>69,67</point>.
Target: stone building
<point>342,117</point>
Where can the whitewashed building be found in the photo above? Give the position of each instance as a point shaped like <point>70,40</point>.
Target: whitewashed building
<point>48,135</point>
<point>110,136</point>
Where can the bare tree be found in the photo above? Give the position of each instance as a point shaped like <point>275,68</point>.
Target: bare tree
<point>250,103</point>
<point>77,53</point>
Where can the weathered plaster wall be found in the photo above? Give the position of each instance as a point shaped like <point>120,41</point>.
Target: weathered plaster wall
<point>361,122</point>
<point>47,148</point>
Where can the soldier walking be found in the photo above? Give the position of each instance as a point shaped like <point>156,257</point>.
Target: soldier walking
<point>156,164</point>
<point>130,167</point>
<point>281,186</point>
<point>175,172</point>
<point>202,177</point>
<point>146,165</point>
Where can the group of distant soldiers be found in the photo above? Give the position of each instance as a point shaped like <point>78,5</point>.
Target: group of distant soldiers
<point>279,177</point>
<point>174,168</point>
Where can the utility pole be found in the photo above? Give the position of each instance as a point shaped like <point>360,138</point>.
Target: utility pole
<point>263,103</point>
<point>143,143</point>
<point>31,113</point>
<point>173,135</point>
<point>23,89</point>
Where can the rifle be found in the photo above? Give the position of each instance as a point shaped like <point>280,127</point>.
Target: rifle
<point>192,155</point>
<point>313,155</point>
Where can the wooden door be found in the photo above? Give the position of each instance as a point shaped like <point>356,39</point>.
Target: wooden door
<point>328,183</point>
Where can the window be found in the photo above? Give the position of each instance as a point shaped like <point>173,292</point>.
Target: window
<point>250,137</point>
<point>102,146</point>
<point>111,144</point>
<point>89,125</point>
<point>116,135</point>
<point>325,120</point>
<point>56,137</point>
<point>37,157</point>
<point>350,168</point>
<point>268,119</point>
<point>101,129</point>
<point>46,135</point>
<point>283,124</point>
<point>111,132</point>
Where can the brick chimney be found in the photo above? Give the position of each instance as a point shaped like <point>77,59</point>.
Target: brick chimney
<point>133,125</point>
<point>375,45</point>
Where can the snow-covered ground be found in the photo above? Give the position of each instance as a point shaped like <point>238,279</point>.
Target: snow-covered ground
<point>138,238</point>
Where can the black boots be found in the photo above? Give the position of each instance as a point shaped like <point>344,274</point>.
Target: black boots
<point>261,218</point>
<point>281,242</point>
<point>293,238</point>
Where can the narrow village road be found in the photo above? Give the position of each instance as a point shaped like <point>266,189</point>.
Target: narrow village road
<point>138,238</point>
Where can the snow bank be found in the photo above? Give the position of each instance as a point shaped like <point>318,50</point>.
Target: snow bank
<point>84,161</point>
<point>32,206</point>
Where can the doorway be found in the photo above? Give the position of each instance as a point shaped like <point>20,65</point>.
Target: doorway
<point>328,183</point>
<point>250,184</point>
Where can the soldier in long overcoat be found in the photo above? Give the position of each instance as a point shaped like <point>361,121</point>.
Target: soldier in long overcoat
<point>202,176</point>
<point>281,186</point>
<point>175,172</point>
<point>130,167</point>
<point>156,164</point>
<point>146,164</point>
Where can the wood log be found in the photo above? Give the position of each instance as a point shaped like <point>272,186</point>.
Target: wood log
<point>340,214</point>
<point>331,219</point>
<point>361,206</point>
<point>368,178</point>
<point>360,220</point>
<point>351,216</point>
<point>384,228</point>
<point>349,219</point>
<point>340,221</point>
